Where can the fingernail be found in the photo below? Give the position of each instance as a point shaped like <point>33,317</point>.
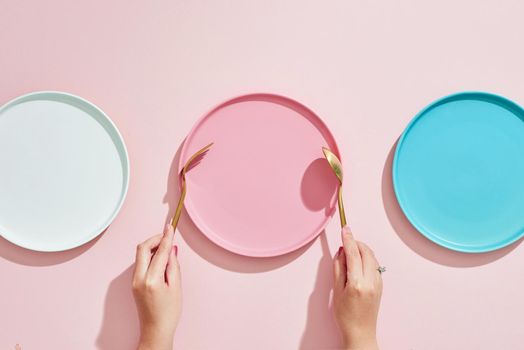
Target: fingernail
<point>168,226</point>
<point>175,248</point>
<point>346,230</point>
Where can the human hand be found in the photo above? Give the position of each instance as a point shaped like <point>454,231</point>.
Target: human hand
<point>157,291</point>
<point>356,293</point>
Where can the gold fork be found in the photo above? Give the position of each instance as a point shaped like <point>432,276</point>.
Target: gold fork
<point>189,164</point>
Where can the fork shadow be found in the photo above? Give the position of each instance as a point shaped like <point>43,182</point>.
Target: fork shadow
<point>420,244</point>
<point>207,249</point>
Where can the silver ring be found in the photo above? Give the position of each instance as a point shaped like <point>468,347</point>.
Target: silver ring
<point>381,269</point>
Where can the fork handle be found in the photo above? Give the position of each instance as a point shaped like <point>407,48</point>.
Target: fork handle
<point>179,206</point>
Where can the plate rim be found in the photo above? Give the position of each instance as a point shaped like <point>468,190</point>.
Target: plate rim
<point>202,227</point>
<point>405,208</point>
<point>9,236</point>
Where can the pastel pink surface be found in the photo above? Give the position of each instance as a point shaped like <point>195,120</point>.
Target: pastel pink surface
<point>365,67</point>
<point>264,188</point>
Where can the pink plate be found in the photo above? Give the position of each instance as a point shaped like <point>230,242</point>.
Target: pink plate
<point>264,188</point>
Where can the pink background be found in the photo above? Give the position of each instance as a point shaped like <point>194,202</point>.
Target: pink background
<point>366,67</point>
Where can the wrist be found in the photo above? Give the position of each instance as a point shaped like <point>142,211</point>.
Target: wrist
<point>154,345</point>
<point>154,340</point>
<point>359,341</point>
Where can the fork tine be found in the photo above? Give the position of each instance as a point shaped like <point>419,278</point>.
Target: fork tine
<point>199,154</point>
<point>194,163</point>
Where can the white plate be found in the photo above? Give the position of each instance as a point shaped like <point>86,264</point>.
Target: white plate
<point>64,171</point>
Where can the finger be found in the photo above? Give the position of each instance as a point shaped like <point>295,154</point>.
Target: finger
<point>157,268</point>
<point>143,256</point>
<point>353,258</point>
<point>369,263</point>
<point>339,270</point>
<point>173,268</point>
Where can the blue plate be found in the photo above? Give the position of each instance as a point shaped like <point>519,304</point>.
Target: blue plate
<point>458,172</point>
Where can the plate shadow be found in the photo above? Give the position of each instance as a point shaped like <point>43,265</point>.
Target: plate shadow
<point>28,257</point>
